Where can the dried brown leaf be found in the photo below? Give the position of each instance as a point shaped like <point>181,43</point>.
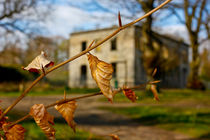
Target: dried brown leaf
<point>39,63</point>
<point>15,132</point>
<point>114,137</point>
<point>102,74</point>
<point>130,94</point>
<point>43,118</point>
<point>154,91</point>
<point>67,111</point>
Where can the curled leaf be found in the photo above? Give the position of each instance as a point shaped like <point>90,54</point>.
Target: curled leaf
<point>15,132</point>
<point>39,63</point>
<point>102,74</point>
<point>43,118</point>
<point>114,137</point>
<point>130,94</point>
<point>67,111</point>
<point>154,91</point>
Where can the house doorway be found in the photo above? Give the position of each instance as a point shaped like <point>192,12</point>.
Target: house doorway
<point>83,75</point>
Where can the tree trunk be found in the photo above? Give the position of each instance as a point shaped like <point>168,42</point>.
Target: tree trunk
<point>147,33</point>
<point>195,58</point>
<point>147,5</point>
<point>194,81</point>
<point>147,25</point>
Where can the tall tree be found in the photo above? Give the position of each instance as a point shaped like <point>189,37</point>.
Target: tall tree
<point>196,20</point>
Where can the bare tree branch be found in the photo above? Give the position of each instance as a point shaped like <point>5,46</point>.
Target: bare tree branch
<point>200,15</point>
<point>13,12</point>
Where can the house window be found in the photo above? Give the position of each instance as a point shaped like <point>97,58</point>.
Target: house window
<point>84,44</point>
<point>114,44</point>
<point>83,76</point>
<point>114,74</point>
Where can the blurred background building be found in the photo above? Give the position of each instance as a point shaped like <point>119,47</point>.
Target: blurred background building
<point>124,52</point>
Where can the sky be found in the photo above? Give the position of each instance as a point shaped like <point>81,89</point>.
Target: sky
<point>65,19</point>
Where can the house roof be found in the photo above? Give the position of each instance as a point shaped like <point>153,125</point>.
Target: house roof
<point>136,26</point>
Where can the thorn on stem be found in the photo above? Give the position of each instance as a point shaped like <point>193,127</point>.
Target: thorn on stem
<point>43,70</point>
<point>119,19</point>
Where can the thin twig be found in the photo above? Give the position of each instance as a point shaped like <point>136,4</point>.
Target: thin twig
<point>78,55</point>
<point>78,98</point>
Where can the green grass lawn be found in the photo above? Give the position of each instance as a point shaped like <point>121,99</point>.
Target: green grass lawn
<point>63,132</point>
<point>167,96</point>
<point>184,111</point>
<point>58,91</point>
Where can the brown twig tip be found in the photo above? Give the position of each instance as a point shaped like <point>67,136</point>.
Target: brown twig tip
<point>119,19</point>
<point>64,95</point>
<point>91,44</point>
<point>154,72</point>
<point>43,70</point>
<point>155,82</point>
<point>89,47</point>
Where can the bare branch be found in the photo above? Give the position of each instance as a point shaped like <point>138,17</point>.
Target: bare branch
<point>200,15</point>
<point>79,55</point>
<point>63,101</point>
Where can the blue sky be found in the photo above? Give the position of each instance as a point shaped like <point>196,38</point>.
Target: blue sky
<point>67,18</point>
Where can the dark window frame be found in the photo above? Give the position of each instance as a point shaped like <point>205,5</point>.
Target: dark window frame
<point>114,44</point>
<point>83,72</point>
<point>114,66</point>
<point>84,45</point>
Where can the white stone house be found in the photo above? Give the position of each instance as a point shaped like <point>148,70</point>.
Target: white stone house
<point>123,53</point>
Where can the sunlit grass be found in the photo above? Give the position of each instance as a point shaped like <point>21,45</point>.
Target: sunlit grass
<point>52,92</point>
<point>191,121</point>
<point>63,132</point>
<point>171,95</point>
<point>184,111</point>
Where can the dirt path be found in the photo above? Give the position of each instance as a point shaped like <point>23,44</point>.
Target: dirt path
<point>100,122</point>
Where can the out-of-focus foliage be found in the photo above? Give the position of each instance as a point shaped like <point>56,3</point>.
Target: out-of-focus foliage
<point>13,74</point>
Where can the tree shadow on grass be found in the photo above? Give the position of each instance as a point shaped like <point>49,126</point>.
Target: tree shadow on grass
<point>205,136</point>
<point>103,120</point>
<point>154,119</point>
